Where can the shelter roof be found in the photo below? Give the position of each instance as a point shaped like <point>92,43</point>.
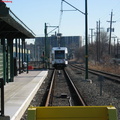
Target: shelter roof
<point>11,26</point>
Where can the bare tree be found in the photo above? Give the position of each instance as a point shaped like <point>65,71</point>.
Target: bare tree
<point>80,53</point>
<point>103,43</point>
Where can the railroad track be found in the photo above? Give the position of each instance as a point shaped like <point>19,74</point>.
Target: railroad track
<point>109,76</point>
<point>63,92</point>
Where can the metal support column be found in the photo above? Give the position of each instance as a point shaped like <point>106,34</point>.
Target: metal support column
<point>27,60</point>
<point>8,61</point>
<point>86,41</point>
<point>24,49</point>
<point>4,60</point>
<point>2,96</point>
<point>19,59</point>
<point>25,56</point>
<point>45,53</point>
<point>16,56</point>
<point>16,47</point>
<point>22,54</point>
<point>11,61</point>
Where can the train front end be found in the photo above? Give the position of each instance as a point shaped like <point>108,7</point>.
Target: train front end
<point>59,57</point>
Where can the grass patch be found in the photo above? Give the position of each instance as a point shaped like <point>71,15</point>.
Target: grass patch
<point>110,68</point>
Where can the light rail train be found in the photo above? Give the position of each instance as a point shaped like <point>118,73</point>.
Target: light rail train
<point>59,57</point>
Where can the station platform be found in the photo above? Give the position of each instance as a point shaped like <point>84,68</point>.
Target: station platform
<point>18,94</point>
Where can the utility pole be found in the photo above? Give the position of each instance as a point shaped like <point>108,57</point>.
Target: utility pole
<point>91,35</point>
<point>114,46</point>
<point>109,49</point>
<point>97,40</point>
<point>117,48</point>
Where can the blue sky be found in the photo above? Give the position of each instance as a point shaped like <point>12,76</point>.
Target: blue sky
<point>34,13</point>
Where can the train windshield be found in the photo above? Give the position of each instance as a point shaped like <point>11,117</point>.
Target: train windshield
<point>59,54</point>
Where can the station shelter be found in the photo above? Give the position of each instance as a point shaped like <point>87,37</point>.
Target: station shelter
<point>11,29</point>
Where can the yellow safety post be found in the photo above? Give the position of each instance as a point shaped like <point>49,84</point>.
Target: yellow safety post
<point>112,113</point>
<point>31,115</point>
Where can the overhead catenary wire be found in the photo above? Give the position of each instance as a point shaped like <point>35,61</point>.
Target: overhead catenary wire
<point>61,14</point>
<point>103,18</point>
<point>61,11</point>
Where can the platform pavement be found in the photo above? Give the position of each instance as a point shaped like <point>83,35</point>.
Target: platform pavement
<point>18,94</point>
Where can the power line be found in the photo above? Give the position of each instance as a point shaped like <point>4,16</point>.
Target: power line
<point>116,8</point>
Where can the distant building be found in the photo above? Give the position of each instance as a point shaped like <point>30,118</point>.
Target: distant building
<point>31,47</point>
<point>71,42</point>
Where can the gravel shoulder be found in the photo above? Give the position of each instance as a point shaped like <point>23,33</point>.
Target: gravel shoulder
<point>91,90</point>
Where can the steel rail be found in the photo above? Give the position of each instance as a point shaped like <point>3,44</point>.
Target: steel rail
<point>50,90</point>
<point>109,76</point>
<point>78,97</point>
<point>81,100</point>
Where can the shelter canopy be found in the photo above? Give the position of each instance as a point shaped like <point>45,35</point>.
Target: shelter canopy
<point>11,26</point>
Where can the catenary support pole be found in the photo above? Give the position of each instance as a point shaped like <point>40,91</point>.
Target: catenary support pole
<point>86,41</point>
<point>45,54</point>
